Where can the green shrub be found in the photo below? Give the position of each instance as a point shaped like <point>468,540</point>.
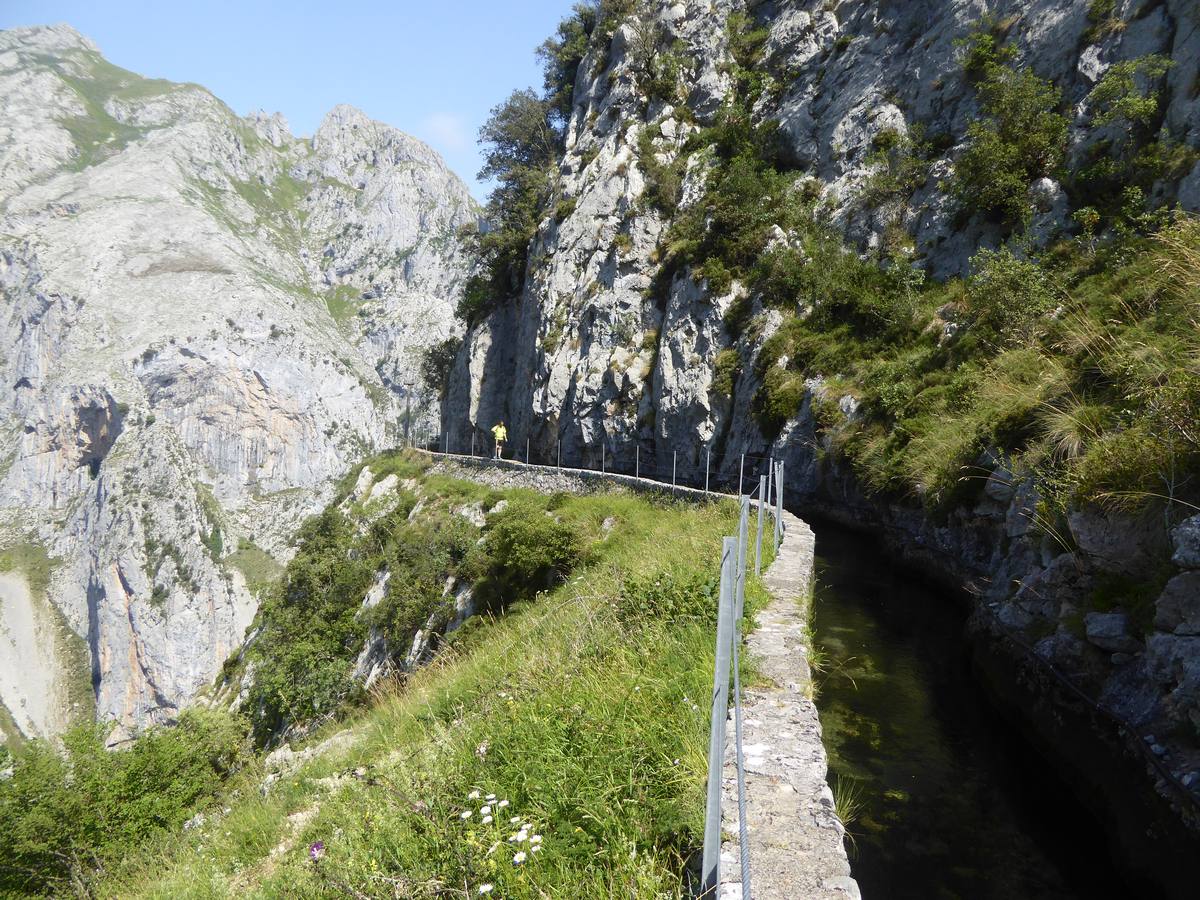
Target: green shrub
<point>778,399</point>
<point>900,163</point>
<point>1021,137</point>
<point>1102,19</point>
<point>529,550</point>
<point>64,814</point>
<point>726,369</point>
<point>1008,296</point>
<point>1120,95</point>
<point>437,361</point>
<point>564,209</point>
<point>561,54</point>
<point>718,278</point>
<point>663,181</point>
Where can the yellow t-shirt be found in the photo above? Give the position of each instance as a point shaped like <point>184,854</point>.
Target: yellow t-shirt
<point>500,433</point>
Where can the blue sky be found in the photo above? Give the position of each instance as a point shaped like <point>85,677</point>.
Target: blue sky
<point>433,69</point>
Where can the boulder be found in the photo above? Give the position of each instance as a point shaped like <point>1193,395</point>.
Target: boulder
<point>1110,631</point>
<point>1178,606</point>
<point>1174,663</point>
<point>1186,539</point>
<point>1116,543</point>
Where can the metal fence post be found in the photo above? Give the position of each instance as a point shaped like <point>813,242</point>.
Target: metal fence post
<point>770,478</point>
<point>710,868</point>
<point>743,552</point>
<point>602,457</point>
<point>741,468</point>
<point>559,454</point>
<point>762,490</point>
<point>637,461</point>
<point>472,442</point>
<point>779,505</point>
<point>674,460</point>
<point>707,466</point>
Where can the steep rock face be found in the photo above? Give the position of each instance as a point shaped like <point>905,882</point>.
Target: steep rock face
<point>587,345</point>
<point>205,320</point>
<point>587,356</point>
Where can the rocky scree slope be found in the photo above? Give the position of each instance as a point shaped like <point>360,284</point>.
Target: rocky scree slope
<point>605,347</point>
<point>205,321</point>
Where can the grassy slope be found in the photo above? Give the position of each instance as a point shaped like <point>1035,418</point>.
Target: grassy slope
<point>584,724</point>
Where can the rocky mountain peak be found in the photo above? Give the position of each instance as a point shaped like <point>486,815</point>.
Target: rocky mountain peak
<point>57,39</point>
<point>204,322</point>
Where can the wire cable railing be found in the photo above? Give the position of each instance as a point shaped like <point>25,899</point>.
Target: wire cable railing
<point>767,496</point>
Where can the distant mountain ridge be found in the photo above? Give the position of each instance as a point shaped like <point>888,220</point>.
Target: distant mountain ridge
<point>204,321</point>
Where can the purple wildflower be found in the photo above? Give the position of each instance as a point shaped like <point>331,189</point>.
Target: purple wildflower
<point>316,850</point>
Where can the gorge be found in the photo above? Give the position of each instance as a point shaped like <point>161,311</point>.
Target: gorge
<point>940,258</point>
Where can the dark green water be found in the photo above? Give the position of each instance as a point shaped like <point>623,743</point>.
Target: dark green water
<point>953,803</point>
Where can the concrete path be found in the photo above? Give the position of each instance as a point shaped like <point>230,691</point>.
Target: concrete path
<point>796,841</point>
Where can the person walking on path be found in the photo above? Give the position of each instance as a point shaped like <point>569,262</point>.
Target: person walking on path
<point>500,433</point>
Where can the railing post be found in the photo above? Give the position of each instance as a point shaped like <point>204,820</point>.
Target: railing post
<point>674,460</point>
<point>741,468</point>
<point>762,502</point>
<point>472,442</point>
<point>779,505</point>
<point>707,466</point>
<point>743,553</point>
<point>559,453</point>
<point>710,870</point>
<point>637,462</point>
<point>602,457</point>
<point>770,479</point>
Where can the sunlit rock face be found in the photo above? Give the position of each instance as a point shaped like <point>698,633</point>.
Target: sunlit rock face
<point>590,354</point>
<point>204,322</point>
<point>597,351</point>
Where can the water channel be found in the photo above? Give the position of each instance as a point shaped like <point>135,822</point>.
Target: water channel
<point>951,802</point>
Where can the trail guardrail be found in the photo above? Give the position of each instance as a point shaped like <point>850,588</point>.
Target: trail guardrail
<point>735,560</point>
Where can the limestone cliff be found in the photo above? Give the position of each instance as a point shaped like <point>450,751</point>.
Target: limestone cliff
<point>594,355</point>
<point>594,352</point>
<point>205,320</point>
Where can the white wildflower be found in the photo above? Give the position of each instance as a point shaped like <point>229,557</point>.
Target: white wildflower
<point>518,857</point>
<point>522,836</point>
<point>490,797</point>
<point>465,814</point>
<point>487,820</point>
<point>485,809</point>
<point>502,804</point>
<point>474,795</point>
<point>535,848</point>
<point>536,839</point>
<point>514,820</point>
<point>485,888</point>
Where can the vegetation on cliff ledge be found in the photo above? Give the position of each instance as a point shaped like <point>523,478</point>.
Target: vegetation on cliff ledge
<point>570,717</point>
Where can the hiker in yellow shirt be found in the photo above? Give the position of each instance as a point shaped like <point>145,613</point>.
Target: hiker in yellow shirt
<point>500,433</point>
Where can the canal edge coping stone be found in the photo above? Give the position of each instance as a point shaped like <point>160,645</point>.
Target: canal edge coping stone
<point>797,846</point>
